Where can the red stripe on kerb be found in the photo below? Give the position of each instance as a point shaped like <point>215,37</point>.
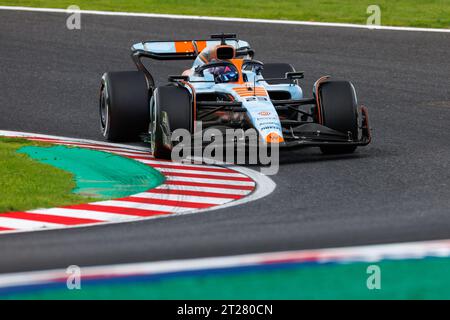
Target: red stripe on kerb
<point>205,176</point>
<point>5,229</point>
<point>118,210</point>
<point>108,149</point>
<point>187,167</point>
<point>48,218</point>
<point>148,157</point>
<point>174,203</point>
<point>210,185</point>
<point>196,193</point>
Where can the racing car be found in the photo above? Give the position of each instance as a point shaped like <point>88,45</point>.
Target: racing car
<point>225,87</point>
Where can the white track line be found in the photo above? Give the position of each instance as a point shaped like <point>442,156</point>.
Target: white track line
<point>20,224</point>
<point>180,197</point>
<point>120,151</point>
<point>226,19</point>
<point>372,253</point>
<point>8,133</point>
<point>123,152</point>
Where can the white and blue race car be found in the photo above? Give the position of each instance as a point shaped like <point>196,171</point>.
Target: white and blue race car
<point>226,88</point>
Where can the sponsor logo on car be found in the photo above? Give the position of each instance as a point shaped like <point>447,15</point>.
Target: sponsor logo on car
<point>264,113</point>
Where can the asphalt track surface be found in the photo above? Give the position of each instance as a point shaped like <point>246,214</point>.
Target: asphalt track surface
<point>397,189</point>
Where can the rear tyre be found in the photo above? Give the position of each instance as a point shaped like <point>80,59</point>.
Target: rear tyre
<point>171,109</point>
<point>124,105</point>
<point>338,107</point>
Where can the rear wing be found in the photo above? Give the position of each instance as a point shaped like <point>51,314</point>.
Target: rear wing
<point>182,49</point>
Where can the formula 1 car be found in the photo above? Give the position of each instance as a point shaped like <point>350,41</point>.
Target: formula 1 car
<point>227,88</point>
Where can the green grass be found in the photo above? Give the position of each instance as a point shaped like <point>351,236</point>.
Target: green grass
<point>27,184</point>
<point>416,13</point>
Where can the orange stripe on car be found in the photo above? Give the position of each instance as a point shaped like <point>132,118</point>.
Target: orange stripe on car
<point>200,45</point>
<point>184,46</point>
<point>250,91</point>
<point>238,64</point>
<point>319,103</point>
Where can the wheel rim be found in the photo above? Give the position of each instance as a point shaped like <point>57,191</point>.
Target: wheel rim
<point>153,124</point>
<point>104,111</point>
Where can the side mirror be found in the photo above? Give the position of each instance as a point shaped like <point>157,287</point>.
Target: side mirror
<point>178,78</point>
<point>259,69</point>
<point>295,75</point>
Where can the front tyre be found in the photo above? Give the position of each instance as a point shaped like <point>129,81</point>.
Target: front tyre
<point>124,105</point>
<point>171,109</point>
<point>338,108</point>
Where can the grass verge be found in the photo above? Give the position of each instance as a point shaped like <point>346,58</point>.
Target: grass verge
<point>413,13</point>
<point>27,184</point>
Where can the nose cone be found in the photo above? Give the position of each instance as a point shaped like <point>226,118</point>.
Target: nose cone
<point>274,138</point>
<point>265,120</point>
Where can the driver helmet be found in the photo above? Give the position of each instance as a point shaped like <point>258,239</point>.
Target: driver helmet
<point>224,74</point>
